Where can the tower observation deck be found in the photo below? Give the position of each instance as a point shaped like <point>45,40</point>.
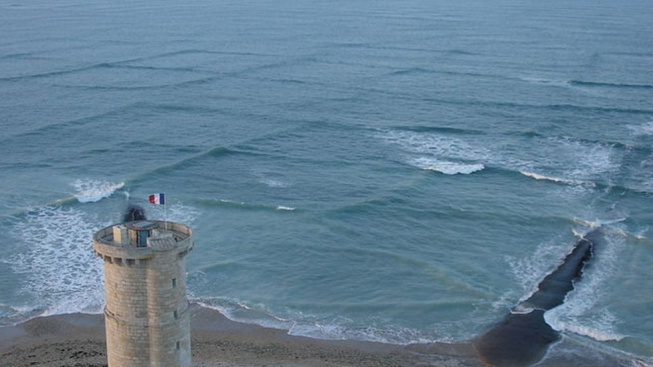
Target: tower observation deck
<point>147,313</point>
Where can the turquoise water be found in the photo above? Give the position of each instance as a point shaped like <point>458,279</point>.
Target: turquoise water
<point>390,171</point>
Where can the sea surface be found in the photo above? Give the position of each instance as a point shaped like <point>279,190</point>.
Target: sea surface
<point>397,171</point>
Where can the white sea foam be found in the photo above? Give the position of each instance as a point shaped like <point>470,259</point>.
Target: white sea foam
<point>342,328</point>
<point>437,145</point>
<point>240,311</point>
<point>531,270</point>
<point>589,225</point>
<point>275,183</point>
<point>448,168</point>
<point>270,179</point>
<point>439,152</point>
<point>57,266</point>
<point>583,311</point>
<point>571,162</point>
<point>90,191</point>
<point>300,324</point>
<point>641,234</point>
<point>593,160</point>
<point>521,310</point>
<point>227,201</point>
<point>641,363</point>
<point>567,161</point>
<point>599,328</point>
<point>556,179</point>
<point>645,129</point>
<point>22,309</point>
<point>287,208</point>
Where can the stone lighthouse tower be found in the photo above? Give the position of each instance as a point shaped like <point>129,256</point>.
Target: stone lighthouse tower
<point>147,313</point>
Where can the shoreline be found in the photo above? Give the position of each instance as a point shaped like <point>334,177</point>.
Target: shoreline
<point>79,340</point>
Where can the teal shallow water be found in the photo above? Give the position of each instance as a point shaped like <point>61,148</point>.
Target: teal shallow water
<point>396,172</point>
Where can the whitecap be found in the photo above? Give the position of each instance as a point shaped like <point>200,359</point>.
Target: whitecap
<point>557,179</point>
<point>568,161</point>
<point>287,208</point>
<point>446,167</point>
<point>641,234</point>
<point>437,145</point>
<point>270,179</point>
<point>589,225</point>
<point>595,160</point>
<point>437,152</point>
<point>645,129</point>
<point>90,191</point>
<point>227,201</point>
<point>275,183</point>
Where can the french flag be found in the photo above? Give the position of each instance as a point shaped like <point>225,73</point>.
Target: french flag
<point>158,199</point>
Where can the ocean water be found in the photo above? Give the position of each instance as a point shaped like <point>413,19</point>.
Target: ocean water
<point>376,170</point>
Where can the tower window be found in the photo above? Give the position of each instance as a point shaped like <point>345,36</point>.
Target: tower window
<point>178,346</point>
<point>174,283</point>
<point>175,314</point>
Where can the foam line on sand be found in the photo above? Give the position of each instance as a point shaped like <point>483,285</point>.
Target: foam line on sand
<point>78,339</point>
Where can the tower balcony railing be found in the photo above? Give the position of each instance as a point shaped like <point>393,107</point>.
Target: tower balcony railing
<point>134,240</point>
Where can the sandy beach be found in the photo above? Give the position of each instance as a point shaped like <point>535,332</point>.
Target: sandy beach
<point>79,340</point>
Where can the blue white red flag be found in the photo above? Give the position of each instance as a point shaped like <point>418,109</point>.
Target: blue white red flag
<point>158,199</point>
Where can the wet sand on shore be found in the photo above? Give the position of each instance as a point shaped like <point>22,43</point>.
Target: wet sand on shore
<point>79,340</point>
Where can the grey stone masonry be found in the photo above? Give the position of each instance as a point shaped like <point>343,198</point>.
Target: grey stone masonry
<point>146,313</point>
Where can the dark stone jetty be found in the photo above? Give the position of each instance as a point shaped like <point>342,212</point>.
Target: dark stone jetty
<point>523,337</point>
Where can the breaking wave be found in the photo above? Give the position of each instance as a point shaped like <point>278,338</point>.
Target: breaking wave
<point>225,203</point>
<point>91,191</point>
<point>448,168</point>
<point>557,179</point>
<point>572,161</point>
<point>288,208</point>
<point>57,266</point>
<point>306,325</point>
